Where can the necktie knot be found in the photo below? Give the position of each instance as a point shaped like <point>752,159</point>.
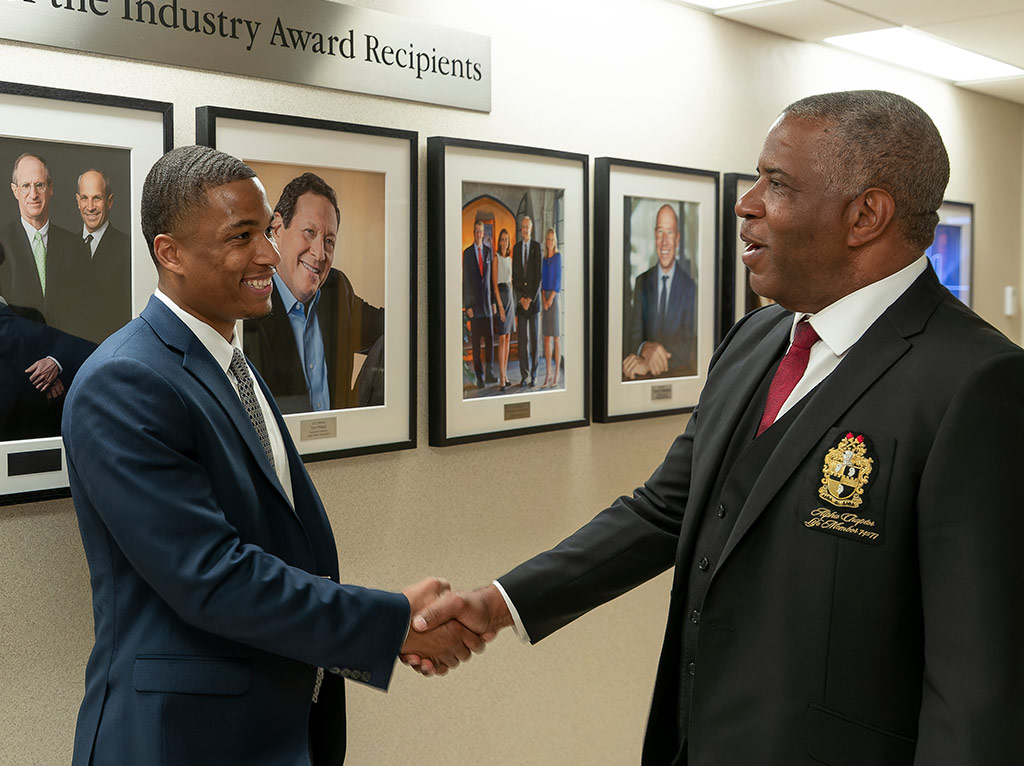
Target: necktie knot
<point>805,336</point>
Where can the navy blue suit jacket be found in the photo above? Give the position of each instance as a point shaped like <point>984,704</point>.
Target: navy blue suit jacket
<point>476,287</point>
<point>211,596</point>
<point>678,330</point>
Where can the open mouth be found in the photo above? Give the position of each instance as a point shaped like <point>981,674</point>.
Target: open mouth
<point>261,285</point>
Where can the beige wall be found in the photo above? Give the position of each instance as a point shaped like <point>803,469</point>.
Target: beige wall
<point>655,82</point>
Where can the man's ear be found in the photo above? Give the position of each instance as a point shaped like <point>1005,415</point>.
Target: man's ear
<point>870,215</point>
<point>276,225</point>
<point>167,251</point>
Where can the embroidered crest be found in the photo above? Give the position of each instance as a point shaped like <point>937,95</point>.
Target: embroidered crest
<point>845,472</point>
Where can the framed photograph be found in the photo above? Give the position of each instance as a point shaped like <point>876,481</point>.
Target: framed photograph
<point>338,349</point>
<point>656,238</point>
<point>509,293</point>
<point>952,248</point>
<point>737,299</point>
<point>75,266</point>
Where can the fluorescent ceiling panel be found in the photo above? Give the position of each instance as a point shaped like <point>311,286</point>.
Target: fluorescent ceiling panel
<point>925,53</point>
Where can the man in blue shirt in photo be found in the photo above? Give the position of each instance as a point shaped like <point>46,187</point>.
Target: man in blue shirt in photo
<point>305,348</point>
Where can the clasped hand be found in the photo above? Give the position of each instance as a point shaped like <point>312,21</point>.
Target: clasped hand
<point>448,627</point>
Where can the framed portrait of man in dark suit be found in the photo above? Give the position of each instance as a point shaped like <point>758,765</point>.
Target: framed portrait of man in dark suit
<point>656,231</point>
<point>74,258</point>
<point>508,290</point>
<point>338,347</point>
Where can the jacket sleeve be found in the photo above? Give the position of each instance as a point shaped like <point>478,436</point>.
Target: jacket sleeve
<point>622,547</point>
<point>139,463</point>
<point>972,575</point>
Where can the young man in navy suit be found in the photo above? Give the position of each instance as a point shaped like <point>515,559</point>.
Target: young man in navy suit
<point>841,508</point>
<point>223,634</point>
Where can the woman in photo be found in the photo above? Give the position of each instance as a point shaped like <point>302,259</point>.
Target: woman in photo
<point>551,283</point>
<point>501,276</point>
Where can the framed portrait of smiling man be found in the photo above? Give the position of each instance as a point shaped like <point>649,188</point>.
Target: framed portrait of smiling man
<point>338,347</point>
<point>74,266</point>
<point>656,239</point>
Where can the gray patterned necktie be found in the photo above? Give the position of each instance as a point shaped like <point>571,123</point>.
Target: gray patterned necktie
<point>247,394</point>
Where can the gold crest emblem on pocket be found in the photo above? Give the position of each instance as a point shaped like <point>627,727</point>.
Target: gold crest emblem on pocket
<point>845,472</point>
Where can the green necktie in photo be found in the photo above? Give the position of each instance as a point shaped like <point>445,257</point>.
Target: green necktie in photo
<point>39,251</point>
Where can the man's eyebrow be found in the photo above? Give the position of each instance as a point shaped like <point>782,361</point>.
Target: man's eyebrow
<point>773,171</point>
<point>242,223</point>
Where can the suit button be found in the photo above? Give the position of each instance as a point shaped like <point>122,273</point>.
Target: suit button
<point>695,617</point>
<point>367,675</point>
<point>703,564</point>
<point>346,673</point>
<point>692,668</point>
<point>335,671</point>
<point>721,511</point>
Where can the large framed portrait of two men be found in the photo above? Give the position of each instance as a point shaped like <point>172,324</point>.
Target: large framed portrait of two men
<point>338,350</point>
<point>74,266</point>
<point>656,240</point>
<point>508,284</point>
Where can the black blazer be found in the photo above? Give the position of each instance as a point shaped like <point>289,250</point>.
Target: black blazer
<point>25,412</point>
<point>678,332</point>
<point>66,267</point>
<point>110,287</point>
<point>820,645</point>
<point>349,325</point>
<point>526,277</point>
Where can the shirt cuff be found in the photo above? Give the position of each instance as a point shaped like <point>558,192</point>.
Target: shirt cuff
<point>517,624</point>
<point>59,368</point>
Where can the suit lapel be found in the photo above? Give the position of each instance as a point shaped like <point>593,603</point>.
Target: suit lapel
<point>878,349</point>
<point>199,363</point>
<point>732,392</point>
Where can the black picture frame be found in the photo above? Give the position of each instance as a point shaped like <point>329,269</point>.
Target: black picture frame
<point>74,128</point>
<point>483,179</point>
<point>386,160</point>
<point>631,194</point>
<point>952,250</point>
<point>737,299</point>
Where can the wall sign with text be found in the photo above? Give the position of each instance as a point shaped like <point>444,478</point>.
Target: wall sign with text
<point>313,42</point>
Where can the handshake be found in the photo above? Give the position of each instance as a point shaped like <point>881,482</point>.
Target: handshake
<point>447,627</point>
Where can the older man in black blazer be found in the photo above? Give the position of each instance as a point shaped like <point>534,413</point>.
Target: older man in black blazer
<point>107,289</point>
<point>848,586</point>
<point>45,263</point>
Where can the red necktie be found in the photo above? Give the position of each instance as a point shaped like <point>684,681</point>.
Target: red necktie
<point>480,260</point>
<point>790,370</point>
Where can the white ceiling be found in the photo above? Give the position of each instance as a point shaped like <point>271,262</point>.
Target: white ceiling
<point>994,28</point>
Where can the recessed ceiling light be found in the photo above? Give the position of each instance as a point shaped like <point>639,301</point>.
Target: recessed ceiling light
<point>917,50</point>
<point>717,5</point>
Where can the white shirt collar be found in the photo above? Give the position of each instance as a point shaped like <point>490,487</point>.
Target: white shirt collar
<point>96,235</point>
<point>214,342</point>
<point>842,323</point>
<point>31,230</point>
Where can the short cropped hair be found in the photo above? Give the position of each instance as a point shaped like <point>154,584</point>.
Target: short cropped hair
<point>14,168</point>
<point>304,184</point>
<point>880,139</point>
<point>176,187</point>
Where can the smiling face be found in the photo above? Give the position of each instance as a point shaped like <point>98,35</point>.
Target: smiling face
<point>307,245</point>
<point>503,243</point>
<point>93,201</point>
<point>526,229</point>
<point>666,237</point>
<point>226,261</point>
<point>33,190</point>
<point>794,225</point>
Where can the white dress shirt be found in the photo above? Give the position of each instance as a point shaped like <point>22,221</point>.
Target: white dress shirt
<point>96,236</point>
<point>222,352</point>
<point>839,326</point>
